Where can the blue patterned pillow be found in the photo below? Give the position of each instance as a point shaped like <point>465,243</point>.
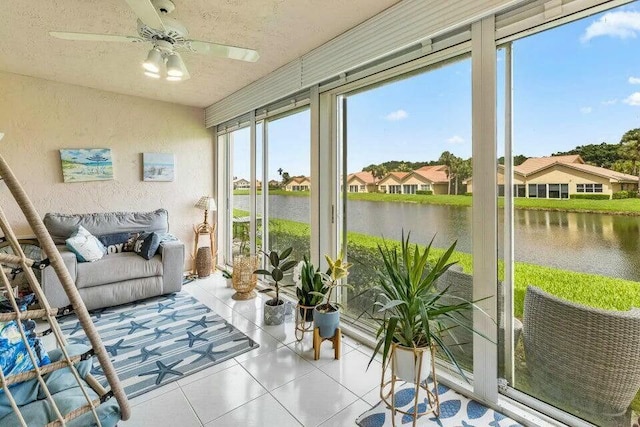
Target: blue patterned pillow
<point>115,243</point>
<point>147,244</point>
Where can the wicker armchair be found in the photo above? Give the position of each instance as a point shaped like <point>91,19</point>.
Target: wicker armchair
<point>460,340</point>
<point>585,358</point>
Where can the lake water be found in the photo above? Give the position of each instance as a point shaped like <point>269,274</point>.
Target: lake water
<point>592,243</point>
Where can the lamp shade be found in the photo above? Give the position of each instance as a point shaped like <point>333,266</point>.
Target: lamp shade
<point>206,203</point>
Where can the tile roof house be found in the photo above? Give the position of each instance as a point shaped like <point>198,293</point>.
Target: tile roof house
<point>361,182</point>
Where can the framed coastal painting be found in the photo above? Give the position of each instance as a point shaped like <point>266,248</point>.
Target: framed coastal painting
<point>158,167</point>
<point>86,164</point>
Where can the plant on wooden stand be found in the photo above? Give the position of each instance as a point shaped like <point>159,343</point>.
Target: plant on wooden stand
<point>326,315</point>
<point>274,309</point>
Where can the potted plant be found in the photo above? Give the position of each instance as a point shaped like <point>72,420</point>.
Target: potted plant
<point>244,279</point>
<point>228,276</point>
<point>274,309</point>
<point>413,314</point>
<point>326,316</point>
<point>310,288</point>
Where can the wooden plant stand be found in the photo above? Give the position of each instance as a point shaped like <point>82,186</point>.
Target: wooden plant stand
<point>318,340</point>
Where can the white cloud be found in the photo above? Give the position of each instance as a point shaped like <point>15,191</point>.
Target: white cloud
<point>622,24</point>
<point>455,139</point>
<point>633,99</point>
<point>394,116</point>
<point>586,110</point>
<point>634,80</point>
<point>610,102</point>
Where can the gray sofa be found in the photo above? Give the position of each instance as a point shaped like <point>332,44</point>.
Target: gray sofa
<point>117,278</point>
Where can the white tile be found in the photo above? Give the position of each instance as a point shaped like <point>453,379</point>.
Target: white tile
<point>242,323</point>
<point>220,308</point>
<point>373,396</point>
<point>285,333</point>
<point>313,398</point>
<point>277,368</point>
<point>266,341</point>
<point>163,411</point>
<point>264,411</point>
<point>351,371</point>
<point>153,393</point>
<point>348,416</point>
<point>221,392</point>
<point>305,349</point>
<point>206,372</point>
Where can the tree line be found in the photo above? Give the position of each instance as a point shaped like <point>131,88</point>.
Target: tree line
<point>621,157</point>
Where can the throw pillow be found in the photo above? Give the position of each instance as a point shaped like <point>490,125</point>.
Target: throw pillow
<point>115,243</point>
<point>85,245</point>
<point>147,245</point>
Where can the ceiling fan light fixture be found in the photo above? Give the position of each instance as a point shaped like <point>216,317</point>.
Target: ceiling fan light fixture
<point>175,66</point>
<point>174,78</point>
<point>152,75</point>
<point>154,61</point>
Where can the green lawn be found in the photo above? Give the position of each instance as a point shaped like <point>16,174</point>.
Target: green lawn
<point>623,206</point>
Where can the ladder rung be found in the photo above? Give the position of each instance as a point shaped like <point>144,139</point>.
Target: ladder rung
<point>13,259</point>
<point>24,376</point>
<point>27,314</point>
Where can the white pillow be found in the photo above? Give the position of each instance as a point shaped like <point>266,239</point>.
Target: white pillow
<point>85,245</point>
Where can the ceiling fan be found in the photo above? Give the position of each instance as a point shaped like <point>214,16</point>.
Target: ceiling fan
<point>168,37</point>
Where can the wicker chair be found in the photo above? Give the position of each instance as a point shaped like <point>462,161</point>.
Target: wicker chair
<point>581,357</point>
<point>460,340</point>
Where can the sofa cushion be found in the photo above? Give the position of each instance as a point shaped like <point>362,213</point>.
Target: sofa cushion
<point>85,245</point>
<point>147,244</point>
<point>117,242</point>
<point>117,268</point>
<point>61,226</point>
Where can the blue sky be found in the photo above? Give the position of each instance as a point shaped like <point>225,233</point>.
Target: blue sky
<point>573,85</point>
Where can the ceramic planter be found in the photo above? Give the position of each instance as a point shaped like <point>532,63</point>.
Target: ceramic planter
<point>411,364</point>
<point>274,314</point>
<point>326,322</point>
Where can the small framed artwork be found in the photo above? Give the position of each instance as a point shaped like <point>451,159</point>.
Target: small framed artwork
<point>158,167</point>
<point>86,164</point>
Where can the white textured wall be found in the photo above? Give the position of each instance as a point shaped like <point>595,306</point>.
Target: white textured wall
<point>39,117</point>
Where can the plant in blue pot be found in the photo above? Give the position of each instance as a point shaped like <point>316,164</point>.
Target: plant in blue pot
<point>326,315</point>
<point>274,309</point>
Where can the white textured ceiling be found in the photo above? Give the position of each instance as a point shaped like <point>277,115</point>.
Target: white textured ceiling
<point>280,30</point>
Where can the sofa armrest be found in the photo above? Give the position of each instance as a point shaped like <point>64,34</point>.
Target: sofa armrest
<point>172,253</point>
<point>51,285</point>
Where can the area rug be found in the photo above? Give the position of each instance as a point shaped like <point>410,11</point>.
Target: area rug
<point>455,410</point>
<point>159,340</point>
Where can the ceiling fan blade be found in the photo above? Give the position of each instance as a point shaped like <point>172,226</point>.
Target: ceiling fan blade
<point>95,37</point>
<point>224,51</point>
<point>147,13</point>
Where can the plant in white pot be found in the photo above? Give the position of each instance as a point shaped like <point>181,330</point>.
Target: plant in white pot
<point>274,309</point>
<point>310,288</point>
<point>228,278</point>
<point>412,313</point>
<point>326,315</point>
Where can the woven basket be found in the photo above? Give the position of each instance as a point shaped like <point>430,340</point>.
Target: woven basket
<point>203,261</point>
<point>244,280</point>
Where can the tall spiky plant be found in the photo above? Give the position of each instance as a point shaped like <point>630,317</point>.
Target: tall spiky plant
<point>413,309</point>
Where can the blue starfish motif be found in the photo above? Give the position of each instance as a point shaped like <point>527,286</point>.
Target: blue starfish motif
<point>173,316</point>
<point>163,370</point>
<point>159,332</point>
<point>193,338</point>
<point>124,316</point>
<point>97,370</point>
<point>202,322</point>
<point>171,297</point>
<point>201,307</point>
<point>208,353</point>
<point>113,349</point>
<point>78,340</point>
<point>145,354</point>
<point>161,307</point>
<point>77,327</point>
<point>249,340</point>
<point>134,326</point>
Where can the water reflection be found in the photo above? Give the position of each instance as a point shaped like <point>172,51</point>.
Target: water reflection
<point>584,242</point>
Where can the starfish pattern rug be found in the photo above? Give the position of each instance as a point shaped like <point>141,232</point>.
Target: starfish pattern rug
<point>156,341</point>
<point>455,411</point>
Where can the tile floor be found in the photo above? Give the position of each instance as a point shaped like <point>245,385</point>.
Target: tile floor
<point>278,384</point>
